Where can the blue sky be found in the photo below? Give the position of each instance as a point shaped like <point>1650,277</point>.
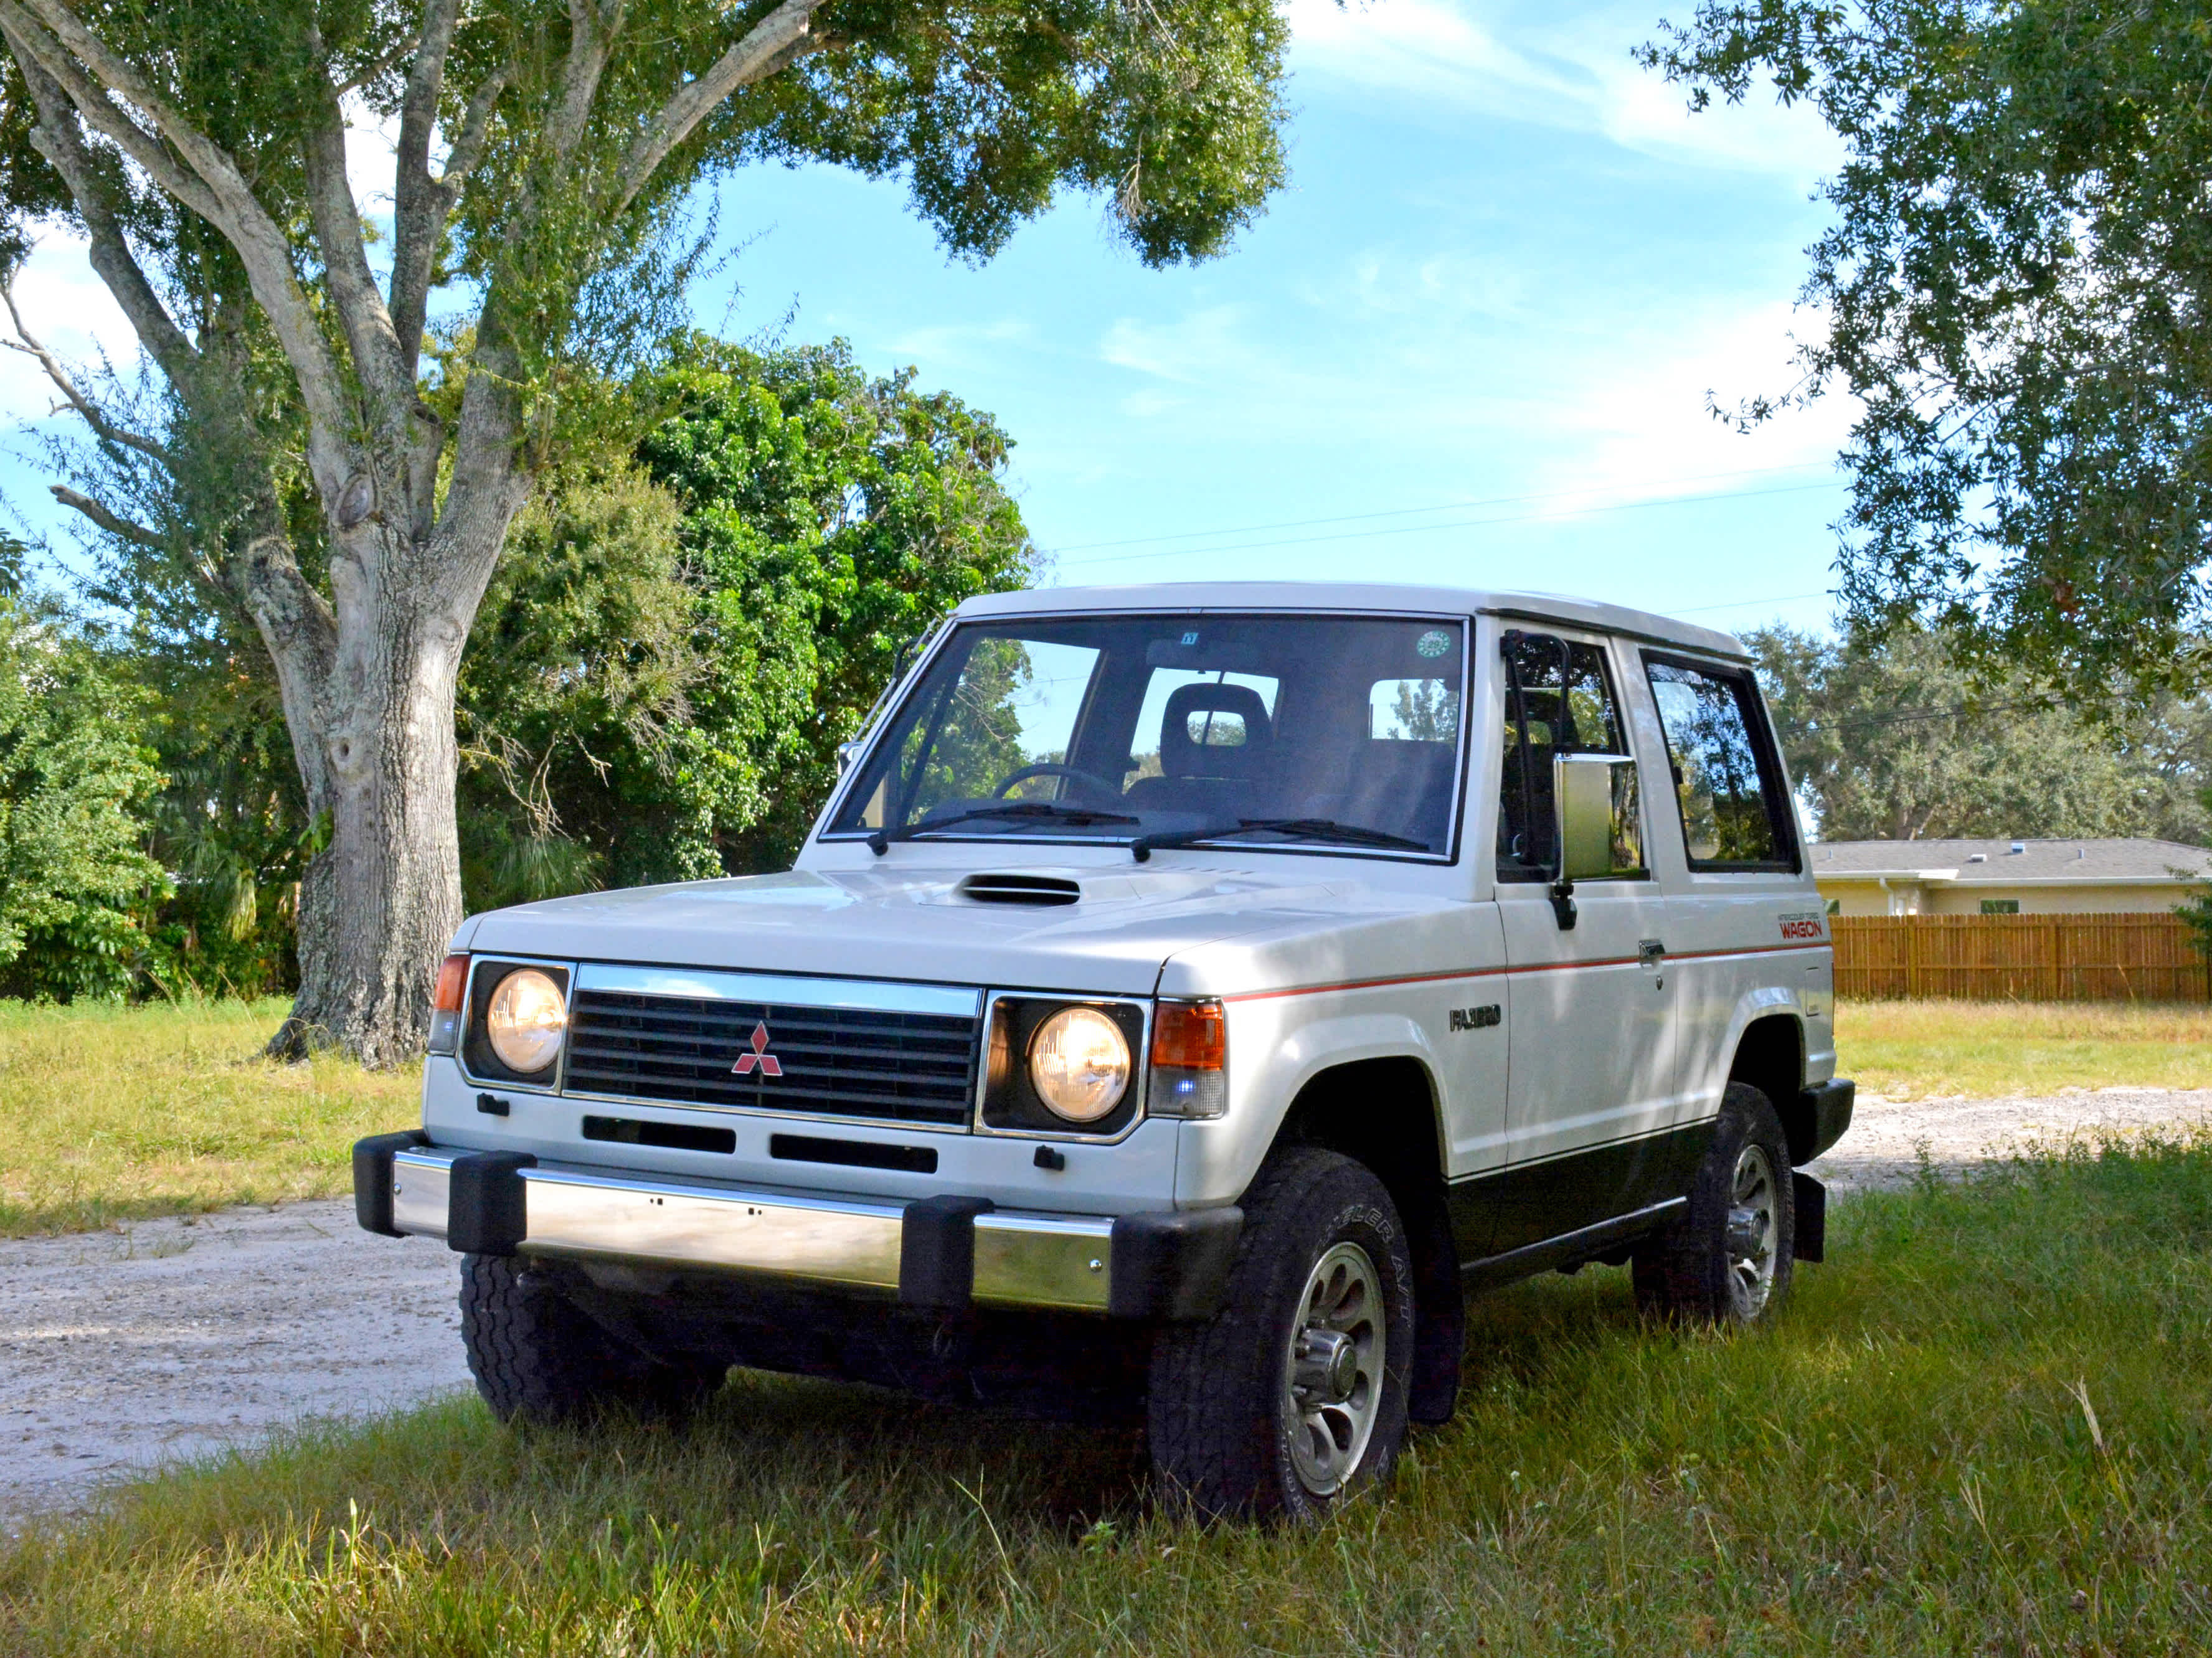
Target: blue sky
<point>1471,342</point>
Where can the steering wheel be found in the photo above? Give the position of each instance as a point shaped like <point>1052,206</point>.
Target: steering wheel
<point>1048,768</point>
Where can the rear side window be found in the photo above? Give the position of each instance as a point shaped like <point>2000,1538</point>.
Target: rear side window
<point>1727,782</point>
<point>1539,723</point>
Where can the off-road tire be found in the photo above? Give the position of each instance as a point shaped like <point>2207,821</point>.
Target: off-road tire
<point>1219,1427</point>
<point>1685,1273</point>
<point>537,1356</point>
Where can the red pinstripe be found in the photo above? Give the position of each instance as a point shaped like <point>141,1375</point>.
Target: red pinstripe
<point>1509,972</point>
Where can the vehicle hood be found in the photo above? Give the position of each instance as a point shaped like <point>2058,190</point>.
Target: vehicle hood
<point>919,924</point>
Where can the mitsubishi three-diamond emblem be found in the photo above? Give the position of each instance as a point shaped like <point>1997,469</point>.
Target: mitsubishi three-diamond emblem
<point>769,1064</point>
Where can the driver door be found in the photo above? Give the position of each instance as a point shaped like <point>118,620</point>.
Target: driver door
<point>1592,1018</point>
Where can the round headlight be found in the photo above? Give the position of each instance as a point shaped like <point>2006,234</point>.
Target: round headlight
<point>1080,1064</point>
<point>525,1020</point>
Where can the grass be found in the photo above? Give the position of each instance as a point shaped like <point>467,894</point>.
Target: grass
<point>113,1113</point>
<point>1909,1050</point>
<point>1985,1426</point>
<point>110,1114</point>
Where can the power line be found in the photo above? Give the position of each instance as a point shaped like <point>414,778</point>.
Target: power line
<point>1459,523</point>
<point>1405,511</point>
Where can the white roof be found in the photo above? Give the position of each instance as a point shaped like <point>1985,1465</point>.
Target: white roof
<point>2092,861</point>
<point>1355,596</point>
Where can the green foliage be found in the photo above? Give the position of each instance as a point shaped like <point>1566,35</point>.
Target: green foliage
<point>75,779</point>
<point>573,709</point>
<point>830,519</point>
<point>669,651</point>
<point>2013,287</point>
<point>673,646</point>
<point>1893,738</point>
<point>2195,914</point>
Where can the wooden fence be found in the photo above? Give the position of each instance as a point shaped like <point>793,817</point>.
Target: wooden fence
<point>2031,958</point>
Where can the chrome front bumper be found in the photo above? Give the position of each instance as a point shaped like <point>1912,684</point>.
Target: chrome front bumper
<point>936,1252</point>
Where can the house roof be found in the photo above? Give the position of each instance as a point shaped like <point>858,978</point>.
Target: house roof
<point>2012,863</point>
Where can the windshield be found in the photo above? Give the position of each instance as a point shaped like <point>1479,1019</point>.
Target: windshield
<point>1330,731</point>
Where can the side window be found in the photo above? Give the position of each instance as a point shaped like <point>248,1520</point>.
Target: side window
<point>1728,783</point>
<point>1540,722</point>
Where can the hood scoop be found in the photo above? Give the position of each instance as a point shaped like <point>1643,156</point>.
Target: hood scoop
<point>1008,889</point>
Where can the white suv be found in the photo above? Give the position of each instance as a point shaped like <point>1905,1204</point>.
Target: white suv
<point>1189,995</point>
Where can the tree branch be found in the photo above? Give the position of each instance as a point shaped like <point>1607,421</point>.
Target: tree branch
<point>60,139</point>
<point>593,25</point>
<point>418,215</point>
<point>30,42</point>
<point>385,368</point>
<point>106,519</point>
<point>93,417</point>
<point>372,71</point>
<point>476,127</point>
<point>774,42</point>
<point>214,188</point>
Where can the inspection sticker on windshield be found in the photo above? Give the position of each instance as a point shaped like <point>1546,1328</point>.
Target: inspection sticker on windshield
<point>1434,642</point>
<point>1802,924</point>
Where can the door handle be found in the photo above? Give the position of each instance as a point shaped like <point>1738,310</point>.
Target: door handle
<point>1649,952</point>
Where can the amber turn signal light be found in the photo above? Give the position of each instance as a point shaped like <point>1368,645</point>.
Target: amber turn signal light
<point>1190,1036</point>
<point>452,981</point>
<point>445,1004</point>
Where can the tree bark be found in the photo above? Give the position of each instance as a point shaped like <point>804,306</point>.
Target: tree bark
<point>378,902</point>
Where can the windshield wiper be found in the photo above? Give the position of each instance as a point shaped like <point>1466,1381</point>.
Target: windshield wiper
<point>1049,811</point>
<point>1303,829</point>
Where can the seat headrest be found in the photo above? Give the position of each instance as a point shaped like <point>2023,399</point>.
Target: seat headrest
<point>1183,755</point>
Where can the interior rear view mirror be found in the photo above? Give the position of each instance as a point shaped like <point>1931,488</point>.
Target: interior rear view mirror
<point>1601,835</point>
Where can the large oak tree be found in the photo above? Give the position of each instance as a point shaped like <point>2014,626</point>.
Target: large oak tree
<point>540,150</point>
<point>2016,285</point>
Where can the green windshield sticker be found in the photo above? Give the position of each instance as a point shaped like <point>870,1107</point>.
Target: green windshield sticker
<point>1434,642</point>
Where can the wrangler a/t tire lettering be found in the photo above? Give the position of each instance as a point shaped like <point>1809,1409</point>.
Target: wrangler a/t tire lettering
<point>1292,1399</point>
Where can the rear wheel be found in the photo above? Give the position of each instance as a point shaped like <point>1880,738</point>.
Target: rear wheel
<point>538,1357</point>
<point>1728,1260</point>
<point>1293,1398</point>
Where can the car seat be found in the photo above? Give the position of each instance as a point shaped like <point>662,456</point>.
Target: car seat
<point>1197,775</point>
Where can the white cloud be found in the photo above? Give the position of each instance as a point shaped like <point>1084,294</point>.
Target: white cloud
<point>1206,345</point>
<point>1454,58</point>
<point>1630,421</point>
<point>951,347</point>
<point>69,310</point>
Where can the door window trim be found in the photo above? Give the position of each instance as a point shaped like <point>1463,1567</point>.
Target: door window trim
<point>1773,778</point>
<point>1602,644</point>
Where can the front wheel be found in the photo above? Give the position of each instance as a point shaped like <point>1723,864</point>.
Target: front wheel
<point>1293,1398</point>
<point>538,1357</point>
<point>1728,1260</point>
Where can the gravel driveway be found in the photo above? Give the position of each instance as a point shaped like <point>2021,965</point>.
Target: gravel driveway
<point>119,1350</point>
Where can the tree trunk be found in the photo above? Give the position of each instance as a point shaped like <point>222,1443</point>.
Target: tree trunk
<point>381,899</point>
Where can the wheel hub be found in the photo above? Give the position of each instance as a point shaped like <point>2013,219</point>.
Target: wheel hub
<point>1333,1368</point>
<point>1327,1366</point>
<point>1753,1230</point>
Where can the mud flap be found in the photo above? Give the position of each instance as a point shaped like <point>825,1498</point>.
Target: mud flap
<point>1812,1206</point>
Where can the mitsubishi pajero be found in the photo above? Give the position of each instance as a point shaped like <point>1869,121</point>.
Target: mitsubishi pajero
<point>1188,996</point>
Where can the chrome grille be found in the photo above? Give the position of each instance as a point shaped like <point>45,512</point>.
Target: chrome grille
<point>838,1062</point>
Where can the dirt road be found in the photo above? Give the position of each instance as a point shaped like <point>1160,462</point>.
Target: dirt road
<point>120,1350</point>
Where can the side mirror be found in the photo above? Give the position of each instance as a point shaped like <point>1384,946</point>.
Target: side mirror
<point>847,754</point>
<point>1600,832</point>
